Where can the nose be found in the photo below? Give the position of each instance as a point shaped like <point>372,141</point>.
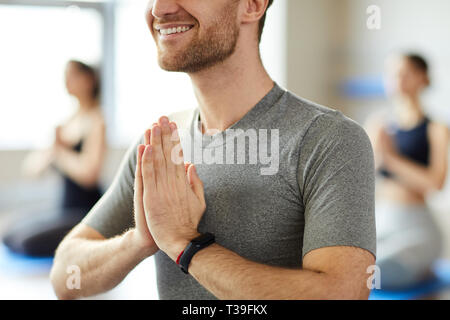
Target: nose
<point>162,8</point>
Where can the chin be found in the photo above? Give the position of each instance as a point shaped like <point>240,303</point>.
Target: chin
<point>172,62</point>
<point>169,65</point>
<point>405,93</point>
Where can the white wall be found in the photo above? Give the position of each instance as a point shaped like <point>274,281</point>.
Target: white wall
<point>309,42</point>
<point>328,42</point>
<point>407,25</point>
<point>411,25</point>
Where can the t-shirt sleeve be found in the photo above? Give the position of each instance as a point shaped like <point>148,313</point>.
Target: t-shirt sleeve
<point>336,177</point>
<point>113,214</point>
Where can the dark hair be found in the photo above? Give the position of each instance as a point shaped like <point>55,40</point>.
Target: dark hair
<point>93,73</point>
<point>418,62</point>
<point>262,22</point>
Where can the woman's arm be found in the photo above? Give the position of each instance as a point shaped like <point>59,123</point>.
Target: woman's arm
<point>37,163</point>
<point>373,127</point>
<point>84,167</point>
<point>418,177</point>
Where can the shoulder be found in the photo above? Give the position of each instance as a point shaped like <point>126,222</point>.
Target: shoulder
<point>438,130</point>
<point>96,119</point>
<point>68,120</point>
<point>326,142</point>
<point>304,110</point>
<point>438,126</point>
<point>322,123</point>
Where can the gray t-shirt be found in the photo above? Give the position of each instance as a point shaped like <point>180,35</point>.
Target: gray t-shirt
<point>311,186</point>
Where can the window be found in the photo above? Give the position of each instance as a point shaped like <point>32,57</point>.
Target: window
<point>36,43</point>
<point>144,91</point>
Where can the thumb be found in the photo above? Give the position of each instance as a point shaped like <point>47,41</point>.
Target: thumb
<point>138,184</point>
<point>196,183</point>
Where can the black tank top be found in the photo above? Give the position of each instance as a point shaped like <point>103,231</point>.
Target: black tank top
<point>412,144</point>
<point>76,196</point>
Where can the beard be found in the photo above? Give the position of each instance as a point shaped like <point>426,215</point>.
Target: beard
<point>218,43</point>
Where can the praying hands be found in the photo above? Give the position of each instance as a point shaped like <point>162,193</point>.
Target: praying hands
<point>169,195</point>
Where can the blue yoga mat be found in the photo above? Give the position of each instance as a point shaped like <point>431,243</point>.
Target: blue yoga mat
<point>442,281</point>
<point>11,262</point>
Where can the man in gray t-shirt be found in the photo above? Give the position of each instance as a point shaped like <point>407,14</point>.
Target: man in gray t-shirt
<point>285,185</point>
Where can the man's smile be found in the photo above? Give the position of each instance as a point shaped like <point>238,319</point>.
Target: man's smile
<point>173,30</point>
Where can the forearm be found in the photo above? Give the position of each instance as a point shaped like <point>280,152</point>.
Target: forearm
<point>75,167</point>
<point>413,175</point>
<point>103,264</point>
<point>230,277</point>
<point>36,163</point>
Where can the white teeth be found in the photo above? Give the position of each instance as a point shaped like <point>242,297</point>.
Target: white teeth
<point>174,30</point>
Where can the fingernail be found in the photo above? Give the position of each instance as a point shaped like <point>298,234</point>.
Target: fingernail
<point>165,120</point>
<point>157,131</point>
<point>175,136</point>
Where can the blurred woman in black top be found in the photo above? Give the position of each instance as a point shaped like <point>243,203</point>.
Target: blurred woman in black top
<point>411,158</point>
<point>77,154</point>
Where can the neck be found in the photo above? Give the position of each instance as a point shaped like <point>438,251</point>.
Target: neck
<point>408,110</point>
<point>229,90</point>
<point>86,103</point>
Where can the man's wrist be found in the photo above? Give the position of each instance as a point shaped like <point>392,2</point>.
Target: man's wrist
<point>179,245</point>
<point>142,250</point>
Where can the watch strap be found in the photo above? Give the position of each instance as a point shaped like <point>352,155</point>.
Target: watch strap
<point>205,240</point>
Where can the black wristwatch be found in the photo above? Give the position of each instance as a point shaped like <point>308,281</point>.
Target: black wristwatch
<point>195,246</point>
